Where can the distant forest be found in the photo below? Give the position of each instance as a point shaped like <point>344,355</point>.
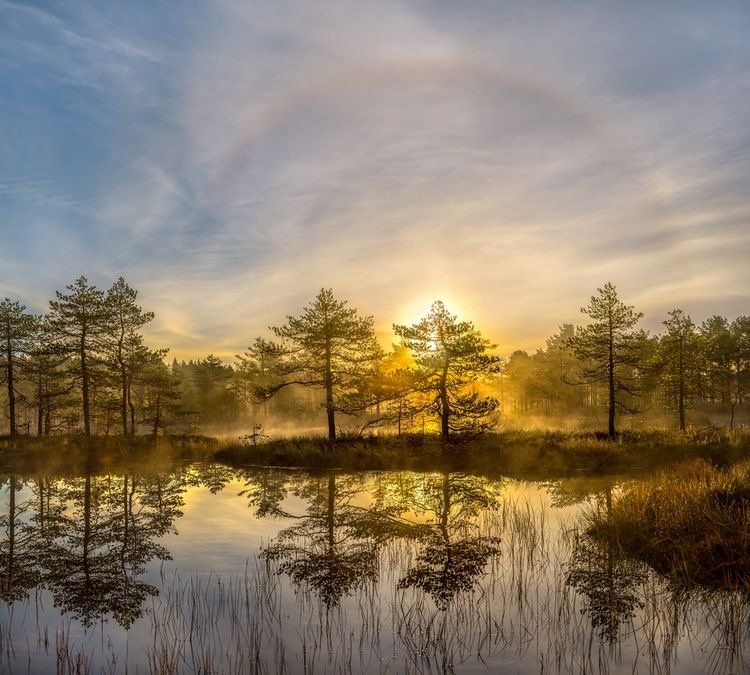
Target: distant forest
<point>84,367</point>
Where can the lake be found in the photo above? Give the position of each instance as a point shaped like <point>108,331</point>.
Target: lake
<point>203,568</point>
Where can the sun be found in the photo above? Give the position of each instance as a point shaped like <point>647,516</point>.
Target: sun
<point>415,310</point>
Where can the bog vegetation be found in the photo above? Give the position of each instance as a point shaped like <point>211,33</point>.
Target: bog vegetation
<point>85,367</point>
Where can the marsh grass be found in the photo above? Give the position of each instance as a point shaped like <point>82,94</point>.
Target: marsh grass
<point>61,455</point>
<point>521,454</point>
<point>691,523</point>
<point>526,454</point>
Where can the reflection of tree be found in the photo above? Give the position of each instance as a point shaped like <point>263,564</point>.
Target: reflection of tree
<point>453,551</point>
<point>334,547</point>
<point>606,578</point>
<point>213,476</point>
<point>265,489</point>
<point>572,491</point>
<point>18,569</point>
<point>102,542</point>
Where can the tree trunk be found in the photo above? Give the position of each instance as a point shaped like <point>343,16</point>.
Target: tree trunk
<point>157,415</point>
<point>40,406</point>
<point>329,395</point>
<point>85,389</point>
<point>611,373</point>
<point>330,522</point>
<point>124,398</point>
<point>681,392</point>
<point>444,412</point>
<point>132,412</point>
<point>444,403</point>
<point>11,387</point>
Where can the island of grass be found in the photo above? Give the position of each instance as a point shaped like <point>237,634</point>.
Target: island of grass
<point>691,523</point>
<point>534,454</point>
<point>515,453</point>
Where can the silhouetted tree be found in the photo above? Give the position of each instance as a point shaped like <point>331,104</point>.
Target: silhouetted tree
<point>329,346</point>
<point>255,369</point>
<point>158,392</point>
<point>17,333</point>
<point>124,342</point>
<point>679,360</point>
<point>609,348</point>
<point>78,320</point>
<point>449,356</point>
<point>50,387</point>
<point>719,348</point>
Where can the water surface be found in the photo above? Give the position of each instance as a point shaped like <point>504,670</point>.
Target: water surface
<point>202,568</point>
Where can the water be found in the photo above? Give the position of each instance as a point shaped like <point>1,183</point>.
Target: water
<point>200,568</point>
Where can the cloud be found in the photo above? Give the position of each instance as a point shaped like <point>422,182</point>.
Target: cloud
<point>508,158</point>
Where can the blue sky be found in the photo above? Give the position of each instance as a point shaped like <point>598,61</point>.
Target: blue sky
<point>230,158</point>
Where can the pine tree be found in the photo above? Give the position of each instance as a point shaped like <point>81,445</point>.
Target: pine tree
<point>610,349</point>
<point>124,340</point>
<point>679,355</point>
<point>328,346</point>
<point>17,332</point>
<point>450,355</point>
<point>78,321</point>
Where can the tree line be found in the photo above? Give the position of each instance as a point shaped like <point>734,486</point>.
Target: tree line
<point>85,367</point>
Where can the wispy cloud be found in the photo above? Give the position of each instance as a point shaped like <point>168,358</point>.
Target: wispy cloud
<point>507,157</point>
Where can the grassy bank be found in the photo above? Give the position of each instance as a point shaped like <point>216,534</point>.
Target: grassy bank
<point>522,453</point>
<point>691,522</point>
<point>525,454</point>
<point>70,453</point>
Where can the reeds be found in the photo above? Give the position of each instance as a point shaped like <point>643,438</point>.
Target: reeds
<point>523,454</point>
<point>691,523</point>
<point>520,616</point>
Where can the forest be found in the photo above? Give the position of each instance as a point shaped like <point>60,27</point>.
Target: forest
<point>85,367</point>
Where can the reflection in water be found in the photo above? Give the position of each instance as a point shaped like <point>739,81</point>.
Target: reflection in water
<point>607,579</point>
<point>101,545</point>
<point>334,546</point>
<point>17,554</point>
<point>390,572</point>
<point>453,553</point>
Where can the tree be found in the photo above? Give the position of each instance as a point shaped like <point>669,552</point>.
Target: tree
<point>78,320</point>
<point>17,332</point>
<point>740,330</point>
<point>678,355</point>
<point>159,393</point>
<point>610,348</point>
<point>329,346</point>
<point>124,339</point>
<point>45,370</point>
<point>213,397</point>
<point>450,355</point>
<point>719,348</point>
<point>254,369</point>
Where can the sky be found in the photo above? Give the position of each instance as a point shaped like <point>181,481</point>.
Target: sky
<point>230,158</point>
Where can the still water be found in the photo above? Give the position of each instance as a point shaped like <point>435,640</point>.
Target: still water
<point>201,568</point>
